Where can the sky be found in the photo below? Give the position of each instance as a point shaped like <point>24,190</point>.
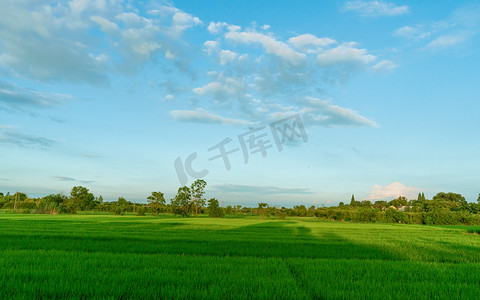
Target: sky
<point>297,102</point>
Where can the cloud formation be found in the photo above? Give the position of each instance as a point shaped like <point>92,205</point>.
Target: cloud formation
<point>461,26</point>
<point>375,8</point>
<point>17,97</point>
<point>64,178</point>
<point>393,190</point>
<point>9,135</point>
<point>202,116</point>
<point>85,41</point>
<point>275,77</point>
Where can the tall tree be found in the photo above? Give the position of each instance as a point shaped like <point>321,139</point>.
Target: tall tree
<point>156,201</point>
<point>353,203</point>
<point>181,203</point>
<point>198,190</point>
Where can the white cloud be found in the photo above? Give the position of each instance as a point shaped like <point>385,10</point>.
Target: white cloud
<point>265,27</point>
<point>445,41</point>
<point>417,32</point>
<point>324,113</point>
<point>210,47</point>
<point>269,44</point>
<point>56,41</point>
<point>216,27</point>
<point>105,24</point>
<point>375,8</point>
<point>234,28</point>
<point>393,190</point>
<point>462,25</point>
<point>224,89</point>
<point>227,56</point>
<point>345,54</point>
<point>384,66</point>
<point>305,42</point>
<point>202,116</point>
<point>131,19</point>
<point>182,21</point>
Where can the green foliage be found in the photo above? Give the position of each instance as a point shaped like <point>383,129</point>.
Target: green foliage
<point>181,204</point>
<point>395,216</point>
<point>156,201</point>
<point>52,204</point>
<point>400,201</point>
<point>197,191</point>
<point>353,203</point>
<point>141,211</point>
<point>368,215</point>
<point>80,199</point>
<point>120,207</point>
<point>450,201</point>
<point>214,209</point>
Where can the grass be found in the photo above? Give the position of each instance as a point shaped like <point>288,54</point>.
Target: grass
<point>113,257</point>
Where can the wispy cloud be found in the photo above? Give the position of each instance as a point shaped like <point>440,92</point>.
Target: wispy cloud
<point>14,137</point>
<point>385,66</point>
<point>375,8</point>
<point>324,113</point>
<point>63,178</point>
<point>259,190</point>
<point>461,26</point>
<point>202,116</point>
<point>20,98</point>
<point>445,41</point>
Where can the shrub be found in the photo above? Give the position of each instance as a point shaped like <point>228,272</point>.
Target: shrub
<point>395,216</point>
<point>141,211</point>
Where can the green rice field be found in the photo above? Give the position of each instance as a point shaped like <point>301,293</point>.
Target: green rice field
<point>167,257</point>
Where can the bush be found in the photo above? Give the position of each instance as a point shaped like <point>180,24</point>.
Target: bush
<point>365,215</point>
<point>118,210</point>
<point>441,217</point>
<point>414,218</point>
<point>141,211</point>
<point>395,216</point>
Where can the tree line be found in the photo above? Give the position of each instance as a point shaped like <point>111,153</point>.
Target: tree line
<point>442,209</point>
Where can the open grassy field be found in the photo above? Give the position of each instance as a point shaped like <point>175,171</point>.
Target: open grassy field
<point>103,256</point>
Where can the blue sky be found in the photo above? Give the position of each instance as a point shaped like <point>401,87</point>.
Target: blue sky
<point>127,97</point>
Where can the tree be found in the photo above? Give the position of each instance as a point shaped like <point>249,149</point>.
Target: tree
<point>156,201</point>
<point>80,199</point>
<point>400,201</point>
<point>198,190</point>
<point>261,209</point>
<point>181,203</point>
<point>478,199</point>
<point>214,209</point>
<point>120,207</point>
<point>353,203</point>
<point>451,201</point>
